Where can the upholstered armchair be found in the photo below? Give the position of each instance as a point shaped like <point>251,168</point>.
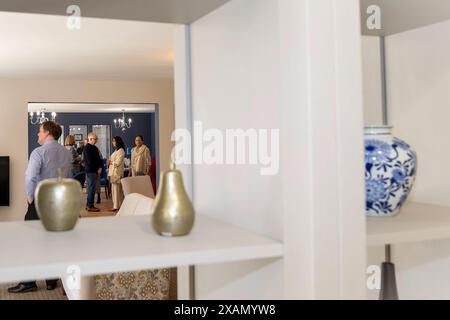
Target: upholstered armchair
<point>140,184</point>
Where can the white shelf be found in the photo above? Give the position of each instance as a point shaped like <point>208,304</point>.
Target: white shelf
<point>115,244</point>
<point>416,222</point>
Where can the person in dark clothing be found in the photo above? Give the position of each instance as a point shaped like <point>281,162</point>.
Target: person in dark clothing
<point>80,148</point>
<point>76,158</point>
<point>93,166</point>
<point>80,151</point>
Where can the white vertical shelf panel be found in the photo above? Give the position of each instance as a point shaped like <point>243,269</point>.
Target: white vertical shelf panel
<point>323,121</point>
<point>183,120</point>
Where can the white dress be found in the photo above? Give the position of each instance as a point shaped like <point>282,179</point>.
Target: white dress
<point>116,169</point>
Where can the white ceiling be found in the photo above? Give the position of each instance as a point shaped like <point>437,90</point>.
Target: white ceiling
<point>402,15</point>
<point>41,46</point>
<point>92,107</point>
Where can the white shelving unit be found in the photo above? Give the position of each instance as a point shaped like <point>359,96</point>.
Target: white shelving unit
<point>118,244</point>
<point>416,222</point>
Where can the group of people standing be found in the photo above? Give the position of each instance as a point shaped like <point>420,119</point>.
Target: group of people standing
<point>90,161</point>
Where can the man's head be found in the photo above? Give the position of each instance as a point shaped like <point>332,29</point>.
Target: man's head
<point>48,131</point>
<point>92,138</point>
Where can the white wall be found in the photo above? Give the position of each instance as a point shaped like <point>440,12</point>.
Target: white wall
<point>15,95</point>
<point>235,61</point>
<point>293,65</point>
<point>418,77</point>
<point>372,81</point>
<point>418,80</point>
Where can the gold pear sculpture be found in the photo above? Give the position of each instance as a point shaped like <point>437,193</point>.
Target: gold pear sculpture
<point>173,212</point>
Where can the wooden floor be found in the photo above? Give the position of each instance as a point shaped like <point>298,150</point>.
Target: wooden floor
<point>41,294</point>
<point>104,206</point>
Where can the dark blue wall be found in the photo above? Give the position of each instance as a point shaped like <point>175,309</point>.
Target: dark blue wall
<point>143,124</point>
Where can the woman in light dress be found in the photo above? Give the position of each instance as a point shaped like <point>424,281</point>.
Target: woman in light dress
<point>115,172</point>
<point>140,158</point>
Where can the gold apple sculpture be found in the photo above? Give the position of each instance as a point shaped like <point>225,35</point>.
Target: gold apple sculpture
<point>173,213</point>
<point>58,203</point>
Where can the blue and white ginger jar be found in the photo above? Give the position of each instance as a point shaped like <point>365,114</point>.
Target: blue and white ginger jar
<point>391,167</point>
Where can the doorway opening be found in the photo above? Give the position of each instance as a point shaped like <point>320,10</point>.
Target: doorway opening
<point>79,119</point>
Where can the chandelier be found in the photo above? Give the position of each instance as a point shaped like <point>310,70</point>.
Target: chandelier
<point>121,123</point>
<point>41,117</point>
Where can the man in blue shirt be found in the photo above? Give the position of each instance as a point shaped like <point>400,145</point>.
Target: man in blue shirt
<point>44,161</point>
